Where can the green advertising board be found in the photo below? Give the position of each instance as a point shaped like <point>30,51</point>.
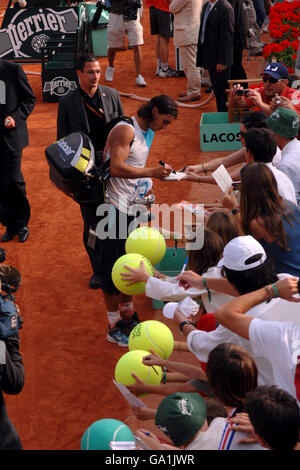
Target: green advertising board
<point>217,134</point>
<point>99,35</point>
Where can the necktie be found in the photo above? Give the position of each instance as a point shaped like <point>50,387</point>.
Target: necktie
<point>204,23</point>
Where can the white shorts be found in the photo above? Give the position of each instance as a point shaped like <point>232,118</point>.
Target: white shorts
<point>118,27</point>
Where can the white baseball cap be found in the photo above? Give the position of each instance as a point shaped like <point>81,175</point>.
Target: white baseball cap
<point>239,250</point>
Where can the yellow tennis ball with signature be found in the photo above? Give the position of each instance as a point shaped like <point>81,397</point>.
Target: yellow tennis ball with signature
<point>152,334</point>
<point>132,361</point>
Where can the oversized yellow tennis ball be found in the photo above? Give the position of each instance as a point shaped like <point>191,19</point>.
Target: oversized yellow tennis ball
<point>152,334</point>
<point>133,260</point>
<point>147,241</point>
<point>132,361</point>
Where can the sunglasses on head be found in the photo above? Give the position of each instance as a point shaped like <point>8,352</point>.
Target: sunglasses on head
<point>267,78</point>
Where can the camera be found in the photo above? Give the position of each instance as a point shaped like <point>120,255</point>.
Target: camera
<point>242,92</point>
<point>130,9</point>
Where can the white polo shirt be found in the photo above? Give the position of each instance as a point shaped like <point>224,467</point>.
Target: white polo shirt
<point>279,342</point>
<point>201,343</point>
<point>286,188</point>
<point>290,164</point>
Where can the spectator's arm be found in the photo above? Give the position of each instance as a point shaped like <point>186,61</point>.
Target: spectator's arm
<point>231,315</point>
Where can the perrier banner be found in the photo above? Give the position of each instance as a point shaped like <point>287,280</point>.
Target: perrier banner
<point>24,32</point>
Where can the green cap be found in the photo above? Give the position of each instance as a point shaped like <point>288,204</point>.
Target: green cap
<point>180,416</point>
<point>284,122</point>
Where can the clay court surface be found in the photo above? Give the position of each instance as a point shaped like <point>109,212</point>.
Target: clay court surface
<point>69,365</point>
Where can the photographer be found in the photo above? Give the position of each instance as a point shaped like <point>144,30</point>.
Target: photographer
<point>124,18</point>
<point>269,95</point>
<point>11,363</point>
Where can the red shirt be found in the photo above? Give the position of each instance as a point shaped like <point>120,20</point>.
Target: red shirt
<point>290,93</point>
<point>159,4</point>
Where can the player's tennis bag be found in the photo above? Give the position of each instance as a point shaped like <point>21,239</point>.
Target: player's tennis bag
<point>76,170</point>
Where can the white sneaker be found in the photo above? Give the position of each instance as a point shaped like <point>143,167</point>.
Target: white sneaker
<point>158,69</point>
<point>109,74</point>
<point>167,73</point>
<point>140,81</point>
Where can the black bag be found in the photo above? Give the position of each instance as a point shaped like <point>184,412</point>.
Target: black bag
<point>76,170</point>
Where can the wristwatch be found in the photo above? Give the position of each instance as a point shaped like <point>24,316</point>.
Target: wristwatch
<point>185,322</point>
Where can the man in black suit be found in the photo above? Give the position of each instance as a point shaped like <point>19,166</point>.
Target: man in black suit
<point>87,109</point>
<point>17,101</point>
<point>215,46</point>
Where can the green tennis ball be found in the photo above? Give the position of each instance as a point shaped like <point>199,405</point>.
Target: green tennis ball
<point>132,361</point>
<point>147,241</point>
<point>132,260</point>
<point>153,335</point>
<point>99,434</point>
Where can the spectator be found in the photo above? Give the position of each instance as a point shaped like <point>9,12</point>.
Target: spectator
<point>186,31</point>
<point>11,374</point>
<point>87,109</point>
<point>261,147</point>
<point>255,119</point>
<point>275,417</point>
<point>269,95</point>
<point>268,218</point>
<point>231,373</point>
<point>19,103</point>
<point>183,418</point>
<point>224,225</point>
<point>215,46</point>
<point>124,18</point>
<point>247,269</point>
<point>255,45</point>
<point>273,341</point>
<point>161,26</point>
<point>285,125</point>
<point>237,70</point>
<point>11,382</point>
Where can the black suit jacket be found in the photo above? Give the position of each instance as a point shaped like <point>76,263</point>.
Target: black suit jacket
<point>19,102</point>
<point>72,116</point>
<point>218,40</point>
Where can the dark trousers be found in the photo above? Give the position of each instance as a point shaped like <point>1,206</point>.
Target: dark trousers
<point>219,81</point>
<point>260,11</point>
<point>14,205</point>
<point>88,212</point>
<point>108,250</point>
<point>237,71</point>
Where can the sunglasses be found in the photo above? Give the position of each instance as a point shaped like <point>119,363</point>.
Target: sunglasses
<point>267,78</point>
<point>242,134</point>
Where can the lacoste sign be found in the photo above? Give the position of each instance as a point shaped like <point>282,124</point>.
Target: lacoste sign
<point>26,31</point>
